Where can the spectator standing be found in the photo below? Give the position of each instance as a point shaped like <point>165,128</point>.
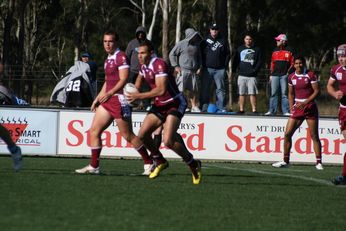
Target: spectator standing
<point>215,58</point>
<point>336,87</point>
<point>281,63</point>
<point>303,89</point>
<point>132,54</point>
<point>86,57</point>
<point>248,59</point>
<point>186,59</point>
<point>167,111</point>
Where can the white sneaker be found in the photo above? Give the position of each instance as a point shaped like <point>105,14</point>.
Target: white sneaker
<point>195,109</point>
<point>281,164</point>
<point>319,166</point>
<point>148,168</point>
<point>88,169</point>
<point>268,113</point>
<point>287,114</point>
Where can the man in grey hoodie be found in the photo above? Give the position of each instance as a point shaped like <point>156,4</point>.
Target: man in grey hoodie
<point>132,55</point>
<point>186,59</point>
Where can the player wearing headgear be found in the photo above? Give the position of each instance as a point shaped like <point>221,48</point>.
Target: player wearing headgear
<point>336,87</point>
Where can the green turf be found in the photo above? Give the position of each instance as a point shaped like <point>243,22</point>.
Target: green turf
<point>47,195</point>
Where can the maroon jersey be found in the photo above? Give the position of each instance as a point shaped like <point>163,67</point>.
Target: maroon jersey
<point>302,84</point>
<point>157,68</point>
<point>112,65</point>
<point>338,73</point>
<point>117,105</point>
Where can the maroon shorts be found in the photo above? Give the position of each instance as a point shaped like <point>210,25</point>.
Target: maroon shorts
<point>118,107</point>
<point>176,108</point>
<point>310,111</point>
<point>342,117</point>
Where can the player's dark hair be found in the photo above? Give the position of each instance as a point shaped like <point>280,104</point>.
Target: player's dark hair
<point>112,33</point>
<point>148,44</point>
<point>299,57</point>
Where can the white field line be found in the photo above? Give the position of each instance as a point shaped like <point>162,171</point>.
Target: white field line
<point>316,180</point>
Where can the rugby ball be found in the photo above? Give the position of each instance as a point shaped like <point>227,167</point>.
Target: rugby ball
<point>131,88</point>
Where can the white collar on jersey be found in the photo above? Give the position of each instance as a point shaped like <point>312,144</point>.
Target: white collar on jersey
<point>112,56</point>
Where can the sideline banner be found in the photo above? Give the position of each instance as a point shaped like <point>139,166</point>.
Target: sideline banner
<point>35,131</point>
<point>217,137</point>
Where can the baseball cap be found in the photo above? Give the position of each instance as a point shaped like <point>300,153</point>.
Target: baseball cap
<point>281,37</point>
<point>214,26</point>
<point>86,54</point>
<point>341,51</point>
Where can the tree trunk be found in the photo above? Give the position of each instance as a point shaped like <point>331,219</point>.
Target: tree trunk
<point>7,44</point>
<point>220,13</point>
<point>178,24</point>
<point>151,28</point>
<point>143,13</point>
<point>165,30</point>
<point>21,75</point>
<point>230,74</point>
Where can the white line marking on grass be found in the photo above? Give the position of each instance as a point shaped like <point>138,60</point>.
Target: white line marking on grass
<point>316,180</point>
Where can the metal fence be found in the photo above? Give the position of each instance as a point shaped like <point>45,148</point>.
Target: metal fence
<point>37,86</point>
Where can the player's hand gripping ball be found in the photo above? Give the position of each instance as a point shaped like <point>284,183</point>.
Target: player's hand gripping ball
<point>131,88</point>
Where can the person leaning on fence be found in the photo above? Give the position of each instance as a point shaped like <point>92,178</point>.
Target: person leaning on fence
<point>280,66</point>
<point>303,88</point>
<point>186,59</point>
<point>336,87</point>
<point>248,59</point>
<point>86,57</point>
<point>110,105</point>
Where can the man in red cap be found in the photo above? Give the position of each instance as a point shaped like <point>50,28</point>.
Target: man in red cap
<point>281,62</point>
<point>336,87</point>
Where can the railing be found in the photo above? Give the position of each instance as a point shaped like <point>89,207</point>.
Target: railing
<point>37,87</point>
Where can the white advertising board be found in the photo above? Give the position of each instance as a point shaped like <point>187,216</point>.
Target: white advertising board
<point>35,131</point>
<point>217,137</point>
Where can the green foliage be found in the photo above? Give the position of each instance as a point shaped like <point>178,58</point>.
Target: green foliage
<point>65,28</point>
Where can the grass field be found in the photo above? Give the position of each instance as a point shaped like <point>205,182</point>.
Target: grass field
<point>47,195</point>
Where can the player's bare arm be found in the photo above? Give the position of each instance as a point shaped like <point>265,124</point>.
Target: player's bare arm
<point>160,89</point>
<point>139,80</point>
<point>123,74</point>
<point>337,94</point>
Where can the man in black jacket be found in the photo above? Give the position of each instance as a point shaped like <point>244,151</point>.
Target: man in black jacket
<point>248,59</point>
<point>215,58</point>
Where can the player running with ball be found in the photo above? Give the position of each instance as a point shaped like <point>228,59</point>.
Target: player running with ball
<point>167,111</point>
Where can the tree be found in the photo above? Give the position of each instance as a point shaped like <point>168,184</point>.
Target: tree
<point>165,29</point>
<point>178,24</point>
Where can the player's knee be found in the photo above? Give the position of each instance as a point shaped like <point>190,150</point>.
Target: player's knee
<point>94,132</point>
